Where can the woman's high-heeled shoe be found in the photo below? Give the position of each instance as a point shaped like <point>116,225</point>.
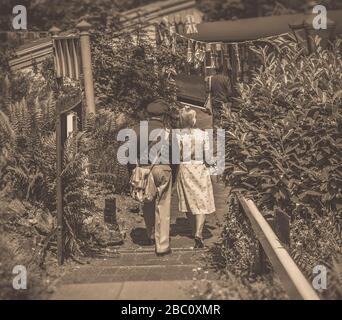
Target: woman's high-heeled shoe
<point>198,243</point>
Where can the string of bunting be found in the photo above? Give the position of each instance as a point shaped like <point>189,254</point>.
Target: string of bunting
<point>232,56</point>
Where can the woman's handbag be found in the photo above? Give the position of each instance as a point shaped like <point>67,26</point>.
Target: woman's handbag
<point>208,103</point>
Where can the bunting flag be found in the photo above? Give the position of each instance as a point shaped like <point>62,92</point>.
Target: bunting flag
<point>191,26</point>
<point>166,37</point>
<point>217,54</point>
<point>200,53</point>
<point>174,44</point>
<point>229,61</point>
<point>173,41</point>
<point>190,55</point>
<point>237,59</point>
<point>172,28</point>
<point>234,57</point>
<point>197,51</point>
<point>213,56</point>
<point>166,22</point>
<point>225,58</point>
<point>67,57</point>
<point>180,27</point>
<point>164,29</point>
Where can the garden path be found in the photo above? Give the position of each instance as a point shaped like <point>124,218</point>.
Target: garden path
<point>134,272</point>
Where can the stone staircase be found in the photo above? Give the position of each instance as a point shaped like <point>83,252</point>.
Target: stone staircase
<point>134,272</point>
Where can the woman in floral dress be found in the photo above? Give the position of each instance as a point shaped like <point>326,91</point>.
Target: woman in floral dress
<point>194,186</point>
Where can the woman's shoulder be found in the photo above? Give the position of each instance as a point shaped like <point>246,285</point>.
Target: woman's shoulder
<point>192,132</point>
<point>200,132</point>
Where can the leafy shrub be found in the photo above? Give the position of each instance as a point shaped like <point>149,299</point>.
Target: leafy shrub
<point>101,137</point>
<point>65,14</point>
<point>10,255</point>
<point>129,71</point>
<point>232,287</point>
<point>315,242</point>
<point>235,259</point>
<point>18,246</point>
<point>25,128</point>
<point>28,153</point>
<point>28,159</point>
<point>284,145</point>
<point>240,251</point>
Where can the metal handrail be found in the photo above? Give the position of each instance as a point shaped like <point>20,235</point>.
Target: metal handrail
<point>293,280</point>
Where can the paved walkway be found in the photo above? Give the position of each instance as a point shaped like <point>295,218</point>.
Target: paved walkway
<point>135,272</point>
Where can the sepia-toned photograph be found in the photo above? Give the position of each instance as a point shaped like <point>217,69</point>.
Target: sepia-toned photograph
<point>187,151</point>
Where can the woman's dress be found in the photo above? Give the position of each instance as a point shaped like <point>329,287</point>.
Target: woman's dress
<point>194,186</point>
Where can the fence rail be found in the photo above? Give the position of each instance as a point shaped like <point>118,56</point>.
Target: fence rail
<point>293,280</point>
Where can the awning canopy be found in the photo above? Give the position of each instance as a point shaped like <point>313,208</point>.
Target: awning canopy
<point>254,28</point>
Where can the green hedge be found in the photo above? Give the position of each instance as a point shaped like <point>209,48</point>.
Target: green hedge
<point>284,151</point>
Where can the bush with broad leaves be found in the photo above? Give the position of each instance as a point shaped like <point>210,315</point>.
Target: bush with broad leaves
<point>284,149</point>
<point>284,145</point>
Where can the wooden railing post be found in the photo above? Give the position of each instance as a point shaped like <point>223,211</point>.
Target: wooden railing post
<point>110,211</point>
<point>282,227</point>
<point>261,266</point>
<point>59,187</point>
<point>84,27</point>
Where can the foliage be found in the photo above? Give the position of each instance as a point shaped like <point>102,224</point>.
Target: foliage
<point>235,258</point>
<point>232,287</point>
<point>10,255</point>
<point>20,244</point>
<point>43,14</point>
<point>318,242</point>
<point>101,137</point>
<point>23,160</point>
<point>284,146</point>
<point>129,71</point>
<point>240,251</point>
<point>215,10</point>
<point>28,155</point>
<point>6,52</point>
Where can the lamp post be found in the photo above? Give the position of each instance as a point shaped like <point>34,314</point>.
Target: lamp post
<point>305,32</point>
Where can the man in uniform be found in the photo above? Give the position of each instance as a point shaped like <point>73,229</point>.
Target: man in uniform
<point>157,213</point>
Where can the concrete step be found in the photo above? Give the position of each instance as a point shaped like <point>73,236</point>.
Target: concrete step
<point>135,258</point>
<point>137,290</point>
<point>134,273</point>
<point>136,267</point>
